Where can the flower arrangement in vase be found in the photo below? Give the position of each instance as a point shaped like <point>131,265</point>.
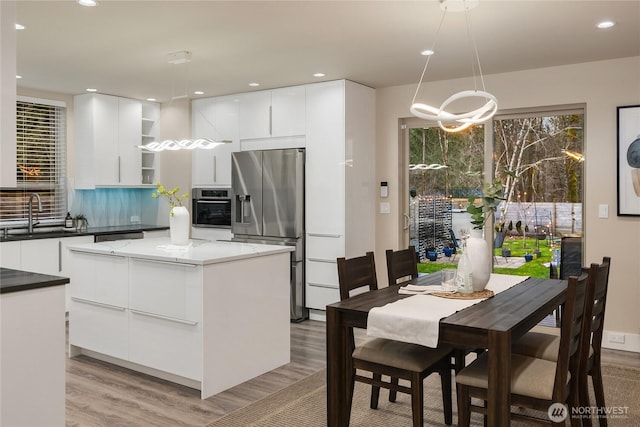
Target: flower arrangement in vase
<point>476,246</point>
<point>171,196</point>
<point>179,221</point>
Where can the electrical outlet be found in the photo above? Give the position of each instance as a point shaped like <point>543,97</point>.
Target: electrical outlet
<point>616,338</point>
<point>135,218</point>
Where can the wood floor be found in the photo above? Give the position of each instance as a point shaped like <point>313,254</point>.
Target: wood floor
<point>101,394</point>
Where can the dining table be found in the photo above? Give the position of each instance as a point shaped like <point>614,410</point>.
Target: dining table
<point>491,324</point>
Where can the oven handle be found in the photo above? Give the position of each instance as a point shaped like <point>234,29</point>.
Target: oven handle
<point>214,201</point>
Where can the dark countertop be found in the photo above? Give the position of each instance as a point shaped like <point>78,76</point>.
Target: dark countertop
<point>91,231</point>
<point>18,280</point>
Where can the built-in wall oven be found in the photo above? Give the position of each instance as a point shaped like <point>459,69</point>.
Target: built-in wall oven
<point>211,207</point>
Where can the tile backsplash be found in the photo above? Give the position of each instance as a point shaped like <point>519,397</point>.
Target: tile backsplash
<point>114,206</point>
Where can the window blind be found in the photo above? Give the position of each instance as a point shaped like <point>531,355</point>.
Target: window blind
<point>41,164</point>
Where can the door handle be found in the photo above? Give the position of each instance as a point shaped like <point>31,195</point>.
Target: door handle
<point>407,220</point>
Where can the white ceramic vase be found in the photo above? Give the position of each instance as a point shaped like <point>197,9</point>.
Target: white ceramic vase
<point>480,259</point>
<point>179,226</point>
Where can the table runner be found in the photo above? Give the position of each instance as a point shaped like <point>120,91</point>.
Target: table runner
<point>416,319</point>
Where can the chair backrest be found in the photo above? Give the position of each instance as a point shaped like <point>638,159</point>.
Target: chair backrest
<point>570,335</point>
<point>402,264</point>
<point>454,239</point>
<point>594,313</point>
<point>356,273</point>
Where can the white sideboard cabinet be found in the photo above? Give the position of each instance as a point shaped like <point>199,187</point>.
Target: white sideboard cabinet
<point>215,118</point>
<point>340,183</point>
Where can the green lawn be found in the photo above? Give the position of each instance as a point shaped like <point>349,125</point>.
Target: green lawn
<point>519,247</point>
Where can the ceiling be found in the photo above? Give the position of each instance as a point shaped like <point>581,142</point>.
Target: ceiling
<point>122,47</point>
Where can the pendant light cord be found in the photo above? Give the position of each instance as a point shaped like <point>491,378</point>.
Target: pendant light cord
<point>433,48</point>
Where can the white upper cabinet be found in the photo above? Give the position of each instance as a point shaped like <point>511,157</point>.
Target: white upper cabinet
<point>215,118</point>
<point>108,131</point>
<point>273,113</point>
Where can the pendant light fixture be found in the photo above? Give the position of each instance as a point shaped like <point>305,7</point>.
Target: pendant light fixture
<point>179,58</point>
<point>451,122</point>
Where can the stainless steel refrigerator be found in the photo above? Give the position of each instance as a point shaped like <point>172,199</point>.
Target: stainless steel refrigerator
<point>268,207</point>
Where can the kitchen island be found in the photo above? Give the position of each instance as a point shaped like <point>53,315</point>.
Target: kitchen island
<point>209,315</point>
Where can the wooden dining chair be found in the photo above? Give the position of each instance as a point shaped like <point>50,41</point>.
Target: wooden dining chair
<point>393,359</point>
<point>535,383</point>
<point>402,265</point>
<point>543,342</point>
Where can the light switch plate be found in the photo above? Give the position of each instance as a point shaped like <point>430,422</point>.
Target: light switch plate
<point>385,208</point>
<point>603,211</point>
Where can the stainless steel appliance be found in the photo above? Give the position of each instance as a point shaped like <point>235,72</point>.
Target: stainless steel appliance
<point>211,207</point>
<point>268,207</point>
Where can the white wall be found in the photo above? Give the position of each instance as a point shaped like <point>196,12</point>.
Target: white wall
<point>602,86</point>
<point>175,166</point>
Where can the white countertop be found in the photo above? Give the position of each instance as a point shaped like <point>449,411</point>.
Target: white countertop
<point>198,252</point>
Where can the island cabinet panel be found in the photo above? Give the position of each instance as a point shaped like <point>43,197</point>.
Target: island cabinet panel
<point>100,278</point>
<point>165,326</point>
<point>98,306</point>
<point>99,327</point>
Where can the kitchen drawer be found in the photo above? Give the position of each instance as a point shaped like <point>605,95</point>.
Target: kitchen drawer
<point>99,327</point>
<point>318,297</point>
<point>322,272</point>
<point>99,278</point>
<point>174,292</point>
<point>169,345</point>
<point>324,246</point>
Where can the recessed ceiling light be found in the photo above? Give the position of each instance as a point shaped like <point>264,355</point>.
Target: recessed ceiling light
<point>88,3</point>
<point>19,27</point>
<point>90,89</point>
<point>427,52</point>
<point>198,92</point>
<point>605,24</point>
<point>254,84</point>
<point>18,76</point>
<point>319,75</point>
<point>151,99</point>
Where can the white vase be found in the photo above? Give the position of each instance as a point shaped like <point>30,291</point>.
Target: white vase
<point>179,226</point>
<point>480,259</point>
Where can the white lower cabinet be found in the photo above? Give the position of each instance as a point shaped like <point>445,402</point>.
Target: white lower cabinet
<point>165,323</point>
<point>10,255</point>
<point>99,327</point>
<point>99,302</point>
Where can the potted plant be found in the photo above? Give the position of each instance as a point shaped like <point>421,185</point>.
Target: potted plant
<point>81,222</point>
<point>432,254</point>
<point>528,257</point>
<point>506,251</point>
<point>449,251</point>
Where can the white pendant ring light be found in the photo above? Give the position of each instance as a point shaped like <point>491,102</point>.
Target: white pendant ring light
<point>467,119</point>
<point>446,120</point>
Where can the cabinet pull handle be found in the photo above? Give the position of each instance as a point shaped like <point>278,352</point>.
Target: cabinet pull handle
<point>156,261</point>
<point>330,261</point>
<point>215,170</point>
<point>333,236</point>
<point>160,316</point>
<point>118,168</point>
<point>59,256</point>
<point>322,285</point>
<point>270,120</point>
<point>111,254</point>
<point>99,304</point>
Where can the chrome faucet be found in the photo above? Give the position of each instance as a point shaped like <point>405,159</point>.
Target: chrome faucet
<point>31,223</point>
